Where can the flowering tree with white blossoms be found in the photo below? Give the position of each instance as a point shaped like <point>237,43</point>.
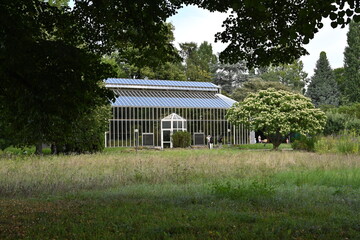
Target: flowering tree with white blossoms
<point>277,113</point>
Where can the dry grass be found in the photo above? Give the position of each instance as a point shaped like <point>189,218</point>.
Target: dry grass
<point>181,194</point>
<point>59,174</point>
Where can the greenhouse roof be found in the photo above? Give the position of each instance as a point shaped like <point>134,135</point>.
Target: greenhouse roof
<point>171,99</point>
<point>123,83</point>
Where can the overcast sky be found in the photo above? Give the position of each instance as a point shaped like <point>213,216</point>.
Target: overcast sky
<point>193,24</point>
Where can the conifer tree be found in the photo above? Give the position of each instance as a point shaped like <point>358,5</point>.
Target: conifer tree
<point>323,89</point>
<point>352,64</point>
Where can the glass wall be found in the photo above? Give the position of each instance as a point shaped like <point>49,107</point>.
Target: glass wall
<point>148,120</point>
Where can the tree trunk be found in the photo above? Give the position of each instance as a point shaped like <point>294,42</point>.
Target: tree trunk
<point>276,140</point>
<point>38,150</point>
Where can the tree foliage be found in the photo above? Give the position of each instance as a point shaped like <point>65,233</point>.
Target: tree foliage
<point>339,74</point>
<point>254,85</point>
<point>277,113</point>
<point>199,61</point>
<point>323,89</point>
<point>291,75</point>
<point>351,83</point>
<point>86,134</point>
<point>230,76</point>
<point>272,31</point>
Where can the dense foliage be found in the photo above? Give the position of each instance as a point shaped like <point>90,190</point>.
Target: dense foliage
<point>199,61</point>
<point>278,113</point>
<point>291,75</point>
<point>255,85</point>
<point>181,139</point>
<point>50,55</point>
<point>343,118</point>
<point>323,89</point>
<point>352,64</point>
<point>271,31</point>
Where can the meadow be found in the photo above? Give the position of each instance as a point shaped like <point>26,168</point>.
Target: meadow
<point>224,193</point>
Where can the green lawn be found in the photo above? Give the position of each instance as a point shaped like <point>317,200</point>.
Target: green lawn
<point>181,194</point>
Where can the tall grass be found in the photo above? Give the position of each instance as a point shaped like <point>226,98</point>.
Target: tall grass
<point>346,143</point>
<point>31,175</point>
<point>181,194</point>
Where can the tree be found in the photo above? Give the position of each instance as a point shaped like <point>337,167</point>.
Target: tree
<point>323,89</point>
<point>198,61</point>
<point>260,32</point>
<point>229,76</point>
<point>50,60</point>
<point>291,75</point>
<point>272,31</point>
<point>339,74</point>
<point>86,134</point>
<point>352,64</point>
<point>278,113</point>
<point>126,65</point>
<point>255,85</point>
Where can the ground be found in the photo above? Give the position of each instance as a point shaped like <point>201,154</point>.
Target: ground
<point>181,194</point>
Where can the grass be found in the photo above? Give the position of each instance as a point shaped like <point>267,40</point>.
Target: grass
<point>181,194</point>
<point>348,143</point>
<point>262,146</point>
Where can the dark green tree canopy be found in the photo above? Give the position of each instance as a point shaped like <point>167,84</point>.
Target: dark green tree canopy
<point>351,80</point>
<point>274,31</point>
<point>255,85</point>
<point>323,89</point>
<point>199,61</point>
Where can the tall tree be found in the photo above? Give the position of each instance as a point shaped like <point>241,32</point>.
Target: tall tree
<point>199,61</point>
<point>352,64</point>
<point>50,65</point>
<point>230,76</point>
<point>125,65</point>
<point>254,85</point>
<point>291,75</point>
<point>323,89</point>
<point>339,74</point>
<point>274,31</point>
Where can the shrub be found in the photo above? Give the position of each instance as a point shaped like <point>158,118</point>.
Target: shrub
<point>304,143</point>
<point>335,123</point>
<point>339,122</point>
<point>181,139</point>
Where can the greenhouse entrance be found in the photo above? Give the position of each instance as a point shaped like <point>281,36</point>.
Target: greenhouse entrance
<point>170,125</point>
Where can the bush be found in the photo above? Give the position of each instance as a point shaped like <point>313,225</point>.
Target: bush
<point>304,143</point>
<point>339,122</point>
<point>181,139</point>
<point>335,123</point>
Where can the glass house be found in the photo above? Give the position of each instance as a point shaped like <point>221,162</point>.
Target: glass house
<point>152,110</point>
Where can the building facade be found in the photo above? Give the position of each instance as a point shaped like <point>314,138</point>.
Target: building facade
<point>148,112</point>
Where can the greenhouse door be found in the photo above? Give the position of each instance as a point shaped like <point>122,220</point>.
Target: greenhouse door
<point>170,125</point>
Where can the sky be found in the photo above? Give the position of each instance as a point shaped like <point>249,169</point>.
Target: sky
<point>193,24</point>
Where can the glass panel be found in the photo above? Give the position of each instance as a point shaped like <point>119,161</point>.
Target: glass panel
<point>148,139</point>
<point>199,139</point>
<point>174,124</point>
<point>179,124</point>
<point>166,135</point>
<point>166,124</point>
